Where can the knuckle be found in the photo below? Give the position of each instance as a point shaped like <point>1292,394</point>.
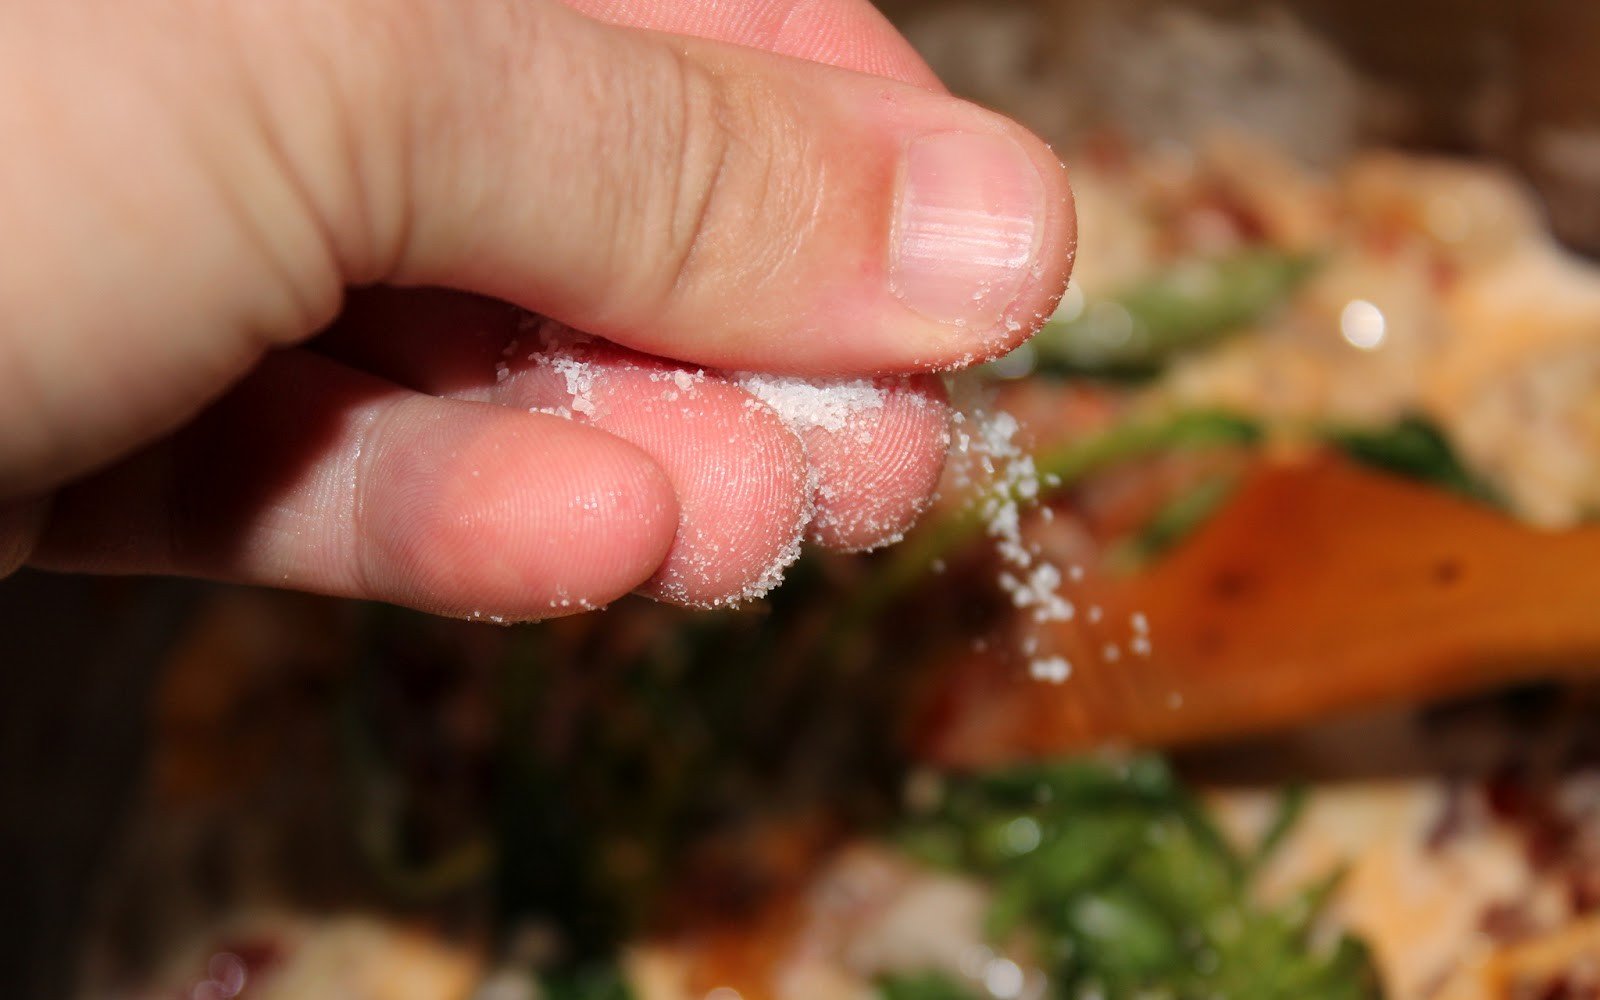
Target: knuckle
<point>359,170</point>
<point>737,184</point>
<point>337,95</point>
<point>702,139</point>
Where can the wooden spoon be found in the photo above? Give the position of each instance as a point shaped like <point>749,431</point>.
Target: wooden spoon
<point>1320,587</point>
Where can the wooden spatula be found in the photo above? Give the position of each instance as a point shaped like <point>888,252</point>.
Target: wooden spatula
<point>1321,587</point>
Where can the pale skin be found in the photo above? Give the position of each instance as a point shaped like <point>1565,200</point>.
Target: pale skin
<point>254,255</point>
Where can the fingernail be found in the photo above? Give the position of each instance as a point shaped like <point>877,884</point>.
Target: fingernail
<point>970,209</point>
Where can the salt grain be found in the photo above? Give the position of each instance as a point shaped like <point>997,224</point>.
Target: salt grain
<point>1051,669</point>
<point>579,376</point>
<point>564,352</point>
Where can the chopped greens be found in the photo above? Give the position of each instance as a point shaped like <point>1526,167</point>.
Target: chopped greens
<point>923,986</point>
<point>1177,520</point>
<point>1110,878</point>
<point>1413,447</point>
<point>1188,305</point>
<point>1142,437</point>
<point>1115,881</point>
<point>601,983</point>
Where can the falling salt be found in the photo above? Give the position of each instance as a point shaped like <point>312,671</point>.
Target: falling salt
<point>986,439</point>
<point>987,455</point>
<point>1051,669</point>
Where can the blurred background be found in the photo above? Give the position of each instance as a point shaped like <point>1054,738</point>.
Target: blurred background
<point>1318,428</point>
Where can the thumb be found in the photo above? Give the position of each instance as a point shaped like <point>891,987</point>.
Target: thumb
<point>726,206</point>
<point>195,182</point>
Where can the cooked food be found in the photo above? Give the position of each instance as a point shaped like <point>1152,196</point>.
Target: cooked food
<point>631,857</point>
<point>1397,288</point>
<point>1262,373</point>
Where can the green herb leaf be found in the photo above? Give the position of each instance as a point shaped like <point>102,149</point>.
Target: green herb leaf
<point>1125,888</point>
<point>1176,520</point>
<point>1188,305</point>
<point>923,986</point>
<point>1416,448</point>
<point>601,982</point>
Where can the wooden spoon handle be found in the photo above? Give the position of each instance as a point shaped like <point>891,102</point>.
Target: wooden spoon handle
<point>1321,587</point>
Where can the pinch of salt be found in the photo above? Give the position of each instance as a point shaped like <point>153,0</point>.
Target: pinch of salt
<point>825,404</point>
<point>579,377</point>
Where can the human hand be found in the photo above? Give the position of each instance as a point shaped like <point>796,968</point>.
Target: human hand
<point>190,186</point>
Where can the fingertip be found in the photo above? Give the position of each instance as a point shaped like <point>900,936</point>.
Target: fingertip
<point>875,449</point>
<point>869,497</point>
<point>744,492</point>
<point>517,516</point>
